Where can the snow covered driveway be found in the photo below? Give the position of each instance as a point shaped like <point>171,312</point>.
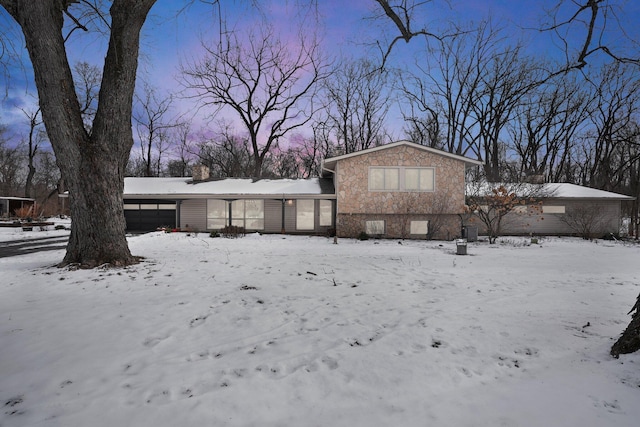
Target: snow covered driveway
<point>297,331</point>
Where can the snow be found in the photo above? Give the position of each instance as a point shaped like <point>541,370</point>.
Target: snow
<point>566,190</point>
<point>297,331</point>
<point>186,186</point>
<point>560,190</point>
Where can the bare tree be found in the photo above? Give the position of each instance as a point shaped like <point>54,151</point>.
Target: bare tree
<point>11,164</point>
<point>507,79</point>
<point>446,85</point>
<point>491,203</point>
<point>586,28</point>
<point>87,79</point>
<point>182,157</point>
<point>266,83</point>
<point>35,137</point>
<point>613,115</point>
<point>357,102</point>
<point>152,125</point>
<point>92,164</point>
<point>586,221</point>
<point>545,129</point>
<point>227,154</point>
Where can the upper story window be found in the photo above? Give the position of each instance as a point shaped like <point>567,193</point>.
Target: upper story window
<point>401,179</point>
<point>384,179</point>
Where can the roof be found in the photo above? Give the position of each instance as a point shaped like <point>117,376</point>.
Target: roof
<point>329,164</point>
<point>188,188</point>
<point>554,190</point>
<point>21,199</point>
<point>573,191</point>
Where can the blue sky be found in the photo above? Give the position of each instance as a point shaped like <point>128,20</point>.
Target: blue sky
<point>345,25</point>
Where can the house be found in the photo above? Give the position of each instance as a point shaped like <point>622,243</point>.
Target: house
<point>396,190</point>
<point>9,205</point>
<point>562,209</point>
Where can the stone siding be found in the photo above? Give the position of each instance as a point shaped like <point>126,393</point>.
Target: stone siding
<point>356,204</point>
<point>441,227</point>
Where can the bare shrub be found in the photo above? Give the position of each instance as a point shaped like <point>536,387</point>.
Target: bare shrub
<point>585,221</point>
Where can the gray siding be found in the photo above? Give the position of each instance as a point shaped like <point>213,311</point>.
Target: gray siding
<point>193,213</point>
<point>272,216</point>
<point>552,224</point>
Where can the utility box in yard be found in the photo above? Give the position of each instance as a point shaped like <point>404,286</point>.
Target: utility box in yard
<point>461,247</point>
<point>470,232</point>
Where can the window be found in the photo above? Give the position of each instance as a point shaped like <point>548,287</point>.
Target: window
<point>254,214</point>
<point>305,214</point>
<point>553,209</point>
<point>384,179</point>
<point>401,179</point>
<point>418,179</point>
<point>374,227</point>
<point>248,214</point>
<point>419,227</point>
<point>217,214</point>
<point>326,213</point>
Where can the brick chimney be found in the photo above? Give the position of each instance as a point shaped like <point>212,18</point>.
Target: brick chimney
<point>200,172</point>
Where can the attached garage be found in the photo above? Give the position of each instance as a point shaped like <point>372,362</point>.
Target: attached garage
<point>149,215</point>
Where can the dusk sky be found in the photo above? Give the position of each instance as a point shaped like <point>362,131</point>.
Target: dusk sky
<point>346,27</point>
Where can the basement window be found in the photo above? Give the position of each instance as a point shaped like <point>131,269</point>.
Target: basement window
<point>374,228</point>
<point>419,228</point>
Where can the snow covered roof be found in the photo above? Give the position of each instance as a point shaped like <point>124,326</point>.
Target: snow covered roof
<point>554,190</point>
<point>186,187</point>
<point>21,199</point>
<point>573,191</point>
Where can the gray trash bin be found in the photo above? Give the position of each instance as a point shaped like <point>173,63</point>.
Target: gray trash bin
<point>461,247</point>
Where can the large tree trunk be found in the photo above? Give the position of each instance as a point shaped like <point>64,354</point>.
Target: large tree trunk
<point>91,164</point>
<point>629,341</point>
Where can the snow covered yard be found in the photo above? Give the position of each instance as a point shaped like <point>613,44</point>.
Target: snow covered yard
<point>296,331</point>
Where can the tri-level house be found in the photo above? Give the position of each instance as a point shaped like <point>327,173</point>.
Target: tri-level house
<point>398,190</point>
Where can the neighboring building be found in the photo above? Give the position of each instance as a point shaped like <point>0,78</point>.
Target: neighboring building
<point>565,209</point>
<point>9,205</point>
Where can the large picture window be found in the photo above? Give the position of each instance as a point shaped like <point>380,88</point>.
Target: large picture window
<point>248,214</point>
<point>401,179</point>
<point>217,214</point>
<point>254,214</point>
<point>305,214</point>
